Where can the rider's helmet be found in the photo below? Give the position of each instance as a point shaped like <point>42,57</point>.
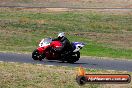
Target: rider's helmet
<point>61,35</point>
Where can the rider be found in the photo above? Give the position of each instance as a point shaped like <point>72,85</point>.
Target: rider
<point>66,45</point>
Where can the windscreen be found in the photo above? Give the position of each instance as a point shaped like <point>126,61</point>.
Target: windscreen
<point>47,40</point>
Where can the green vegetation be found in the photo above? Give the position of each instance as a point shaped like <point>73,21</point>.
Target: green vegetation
<point>16,75</point>
<point>106,35</point>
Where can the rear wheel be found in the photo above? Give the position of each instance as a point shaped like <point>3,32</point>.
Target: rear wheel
<point>37,56</point>
<point>74,57</point>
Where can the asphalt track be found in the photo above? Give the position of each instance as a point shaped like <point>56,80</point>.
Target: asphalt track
<point>120,65</point>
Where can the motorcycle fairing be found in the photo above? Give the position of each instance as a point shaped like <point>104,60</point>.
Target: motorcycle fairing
<point>77,46</point>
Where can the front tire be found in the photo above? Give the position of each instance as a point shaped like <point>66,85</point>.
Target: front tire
<point>37,56</point>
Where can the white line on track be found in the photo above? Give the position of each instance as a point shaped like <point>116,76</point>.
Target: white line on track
<point>1,61</point>
<point>27,63</point>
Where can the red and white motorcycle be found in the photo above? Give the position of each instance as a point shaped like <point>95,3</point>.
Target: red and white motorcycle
<point>45,51</point>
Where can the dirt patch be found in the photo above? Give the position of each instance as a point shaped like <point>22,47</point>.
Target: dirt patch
<point>58,9</point>
<point>41,10</point>
<point>68,3</point>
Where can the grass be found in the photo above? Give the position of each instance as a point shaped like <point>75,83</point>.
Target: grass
<point>106,35</point>
<point>17,75</point>
<point>99,50</point>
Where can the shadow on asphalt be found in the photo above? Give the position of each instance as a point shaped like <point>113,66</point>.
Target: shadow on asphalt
<point>55,61</point>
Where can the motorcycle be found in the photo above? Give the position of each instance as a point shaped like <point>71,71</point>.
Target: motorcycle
<point>44,51</point>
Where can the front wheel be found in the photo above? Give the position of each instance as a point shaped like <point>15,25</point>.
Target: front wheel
<point>37,56</point>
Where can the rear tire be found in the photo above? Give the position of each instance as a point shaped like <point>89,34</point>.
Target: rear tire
<point>74,57</point>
